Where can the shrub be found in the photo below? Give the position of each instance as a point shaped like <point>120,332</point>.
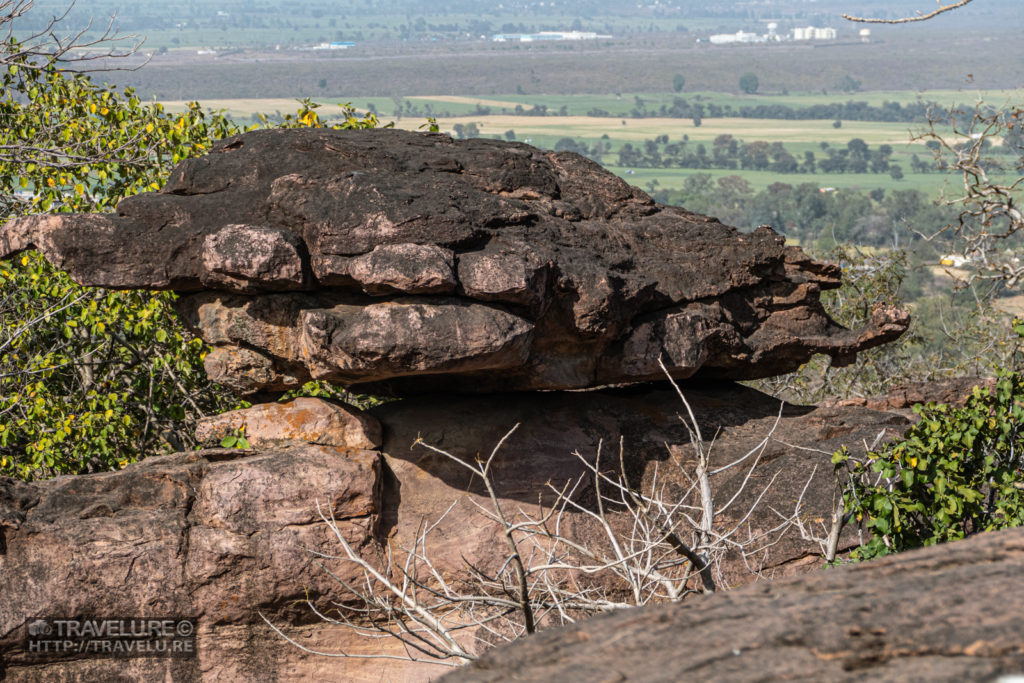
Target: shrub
<point>92,379</point>
<point>957,472</point>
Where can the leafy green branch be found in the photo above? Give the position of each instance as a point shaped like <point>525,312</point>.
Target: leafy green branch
<point>957,472</point>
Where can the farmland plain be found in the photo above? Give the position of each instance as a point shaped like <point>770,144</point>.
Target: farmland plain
<point>494,116</point>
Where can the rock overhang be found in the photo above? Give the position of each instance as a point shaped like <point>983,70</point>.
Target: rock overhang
<point>400,262</point>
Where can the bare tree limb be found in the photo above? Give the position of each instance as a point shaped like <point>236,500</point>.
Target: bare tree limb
<point>43,47</point>
<point>656,541</point>
<point>905,20</point>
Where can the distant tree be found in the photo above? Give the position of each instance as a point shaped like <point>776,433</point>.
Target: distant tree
<point>858,148</point>
<point>809,162</point>
<point>465,131</point>
<point>848,84</point>
<point>749,83</point>
<point>510,135</point>
<point>837,123</point>
<point>895,172</point>
<point>678,81</point>
<point>570,145</point>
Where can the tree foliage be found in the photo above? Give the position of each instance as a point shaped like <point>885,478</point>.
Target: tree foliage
<point>92,379</point>
<point>957,472</point>
<point>749,83</point>
<point>730,153</point>
<point>686,108</point>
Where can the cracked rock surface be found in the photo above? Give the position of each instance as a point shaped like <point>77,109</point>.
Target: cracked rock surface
<point>945,613</point>
<point>405,262</point>
<point>216,535</point>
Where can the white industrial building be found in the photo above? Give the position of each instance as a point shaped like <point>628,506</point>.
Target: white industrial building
<point>546,35</point>
<point>738,37</point>
<point>773,36</point>
<point>813,33</point>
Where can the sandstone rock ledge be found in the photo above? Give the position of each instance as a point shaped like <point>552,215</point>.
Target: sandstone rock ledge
<point>464,275</point>
<point>222,535</point>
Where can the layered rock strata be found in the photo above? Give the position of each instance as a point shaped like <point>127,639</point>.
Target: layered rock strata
<point>401,261</point>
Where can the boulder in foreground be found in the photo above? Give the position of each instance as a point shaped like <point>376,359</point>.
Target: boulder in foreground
<point>951,612</point>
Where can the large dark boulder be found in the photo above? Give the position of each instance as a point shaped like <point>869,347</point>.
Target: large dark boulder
<point>403,261</point>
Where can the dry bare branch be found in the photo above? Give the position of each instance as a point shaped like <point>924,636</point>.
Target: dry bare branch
<point>905,20</point>
<point>986,148</point>
<point>657,542</point>
<point>40,48</point>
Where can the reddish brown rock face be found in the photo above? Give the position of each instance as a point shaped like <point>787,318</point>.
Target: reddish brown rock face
<point>408,268</point>
<point>225,536</point>
<point>215,535</point>
<point>405,262</point>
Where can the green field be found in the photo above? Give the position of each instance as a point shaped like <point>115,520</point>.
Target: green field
<point>798,136</point>
<point>622,103</point>
<point>542,128</point>
<point>672,179</point>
